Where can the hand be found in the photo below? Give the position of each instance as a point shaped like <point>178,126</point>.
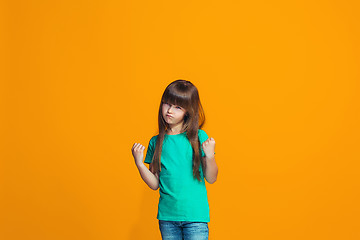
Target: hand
<point>209,147</point>
<point>138,152</point>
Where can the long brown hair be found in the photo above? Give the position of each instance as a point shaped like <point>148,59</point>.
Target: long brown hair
<point>184,94</point>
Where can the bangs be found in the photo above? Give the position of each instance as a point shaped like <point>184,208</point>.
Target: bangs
<point>174,97</point>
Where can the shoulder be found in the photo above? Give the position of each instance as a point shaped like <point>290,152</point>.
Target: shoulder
<point>202,135</point>
<point>153,139</point>
<point>201,132</point>
<point>152,143</point>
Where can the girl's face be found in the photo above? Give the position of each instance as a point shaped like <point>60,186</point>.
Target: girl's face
<point>173,114</point>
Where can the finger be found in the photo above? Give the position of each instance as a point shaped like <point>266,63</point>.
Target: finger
<point>138,147</point>
<point>141,147</point>
<point>133,146</point>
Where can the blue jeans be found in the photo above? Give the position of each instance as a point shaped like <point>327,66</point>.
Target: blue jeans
<point>177,230</point>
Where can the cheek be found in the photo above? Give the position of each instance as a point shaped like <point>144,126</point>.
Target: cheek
<point>163,109</point>
<point>164,112</point>
<point>182,115</point>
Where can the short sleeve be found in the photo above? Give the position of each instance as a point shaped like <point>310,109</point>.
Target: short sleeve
<point>202,137</point>
<point>150,150</point>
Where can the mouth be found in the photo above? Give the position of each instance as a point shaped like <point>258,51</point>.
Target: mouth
<point>169,116</point>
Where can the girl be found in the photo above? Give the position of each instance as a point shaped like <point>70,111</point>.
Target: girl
<point>180,156</point>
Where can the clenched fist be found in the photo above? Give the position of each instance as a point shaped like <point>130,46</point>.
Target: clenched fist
<point>209,147</point>
<point>138,152</point>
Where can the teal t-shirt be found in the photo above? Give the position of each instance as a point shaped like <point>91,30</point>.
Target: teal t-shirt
<point>182,197</point>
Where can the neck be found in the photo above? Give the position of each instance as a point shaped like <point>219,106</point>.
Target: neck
<point>175,129</point>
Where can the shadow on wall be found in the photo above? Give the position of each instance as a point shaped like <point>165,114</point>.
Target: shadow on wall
<point>146,226</point>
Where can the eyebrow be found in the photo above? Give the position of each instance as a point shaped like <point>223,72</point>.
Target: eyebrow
<point>173,104</point>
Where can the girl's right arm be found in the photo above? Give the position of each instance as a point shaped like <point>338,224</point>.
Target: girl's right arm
<point>152,180</point>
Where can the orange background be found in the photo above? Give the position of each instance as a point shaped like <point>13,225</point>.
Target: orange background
<point>82,81</point>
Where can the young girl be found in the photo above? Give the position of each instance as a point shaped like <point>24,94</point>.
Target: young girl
<point>180,156</point>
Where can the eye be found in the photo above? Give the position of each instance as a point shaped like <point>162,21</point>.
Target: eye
<point>178,107</point>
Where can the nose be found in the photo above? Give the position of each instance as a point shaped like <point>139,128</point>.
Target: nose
<point>169,109</point>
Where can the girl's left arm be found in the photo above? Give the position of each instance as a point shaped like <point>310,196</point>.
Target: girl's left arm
<point>211,168</point>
